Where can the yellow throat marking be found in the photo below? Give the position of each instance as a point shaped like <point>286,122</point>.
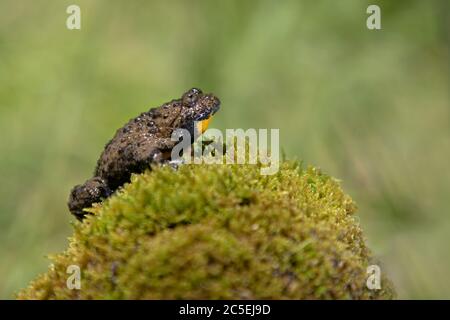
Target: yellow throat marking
<point>203,125</point>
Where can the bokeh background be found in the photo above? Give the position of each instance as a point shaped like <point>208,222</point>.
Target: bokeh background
<point>369,107</point>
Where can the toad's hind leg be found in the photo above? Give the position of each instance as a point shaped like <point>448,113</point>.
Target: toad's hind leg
<point>83,196</point>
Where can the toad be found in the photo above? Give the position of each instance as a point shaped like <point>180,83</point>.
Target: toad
<point>142,142</point>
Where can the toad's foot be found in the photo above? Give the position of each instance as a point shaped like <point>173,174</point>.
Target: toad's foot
<point>83,196</point>
<point>175,164</point>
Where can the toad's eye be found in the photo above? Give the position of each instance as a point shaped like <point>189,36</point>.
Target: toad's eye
<point>191,96</point>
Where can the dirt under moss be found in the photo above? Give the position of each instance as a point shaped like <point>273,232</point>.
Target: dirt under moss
<point>217,232</point>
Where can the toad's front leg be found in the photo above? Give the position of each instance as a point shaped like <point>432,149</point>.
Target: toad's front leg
<point>141,155</point>
<point>168,152</point>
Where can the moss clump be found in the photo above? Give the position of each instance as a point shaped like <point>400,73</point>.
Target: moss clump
<point>217,231</point>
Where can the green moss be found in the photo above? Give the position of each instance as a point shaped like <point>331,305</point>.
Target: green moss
<point>215,232</point>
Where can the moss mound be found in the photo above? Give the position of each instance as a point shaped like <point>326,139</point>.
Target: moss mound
<point>217,232</point>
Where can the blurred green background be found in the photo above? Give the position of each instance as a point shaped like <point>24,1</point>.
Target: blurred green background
<point>368,107</point>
